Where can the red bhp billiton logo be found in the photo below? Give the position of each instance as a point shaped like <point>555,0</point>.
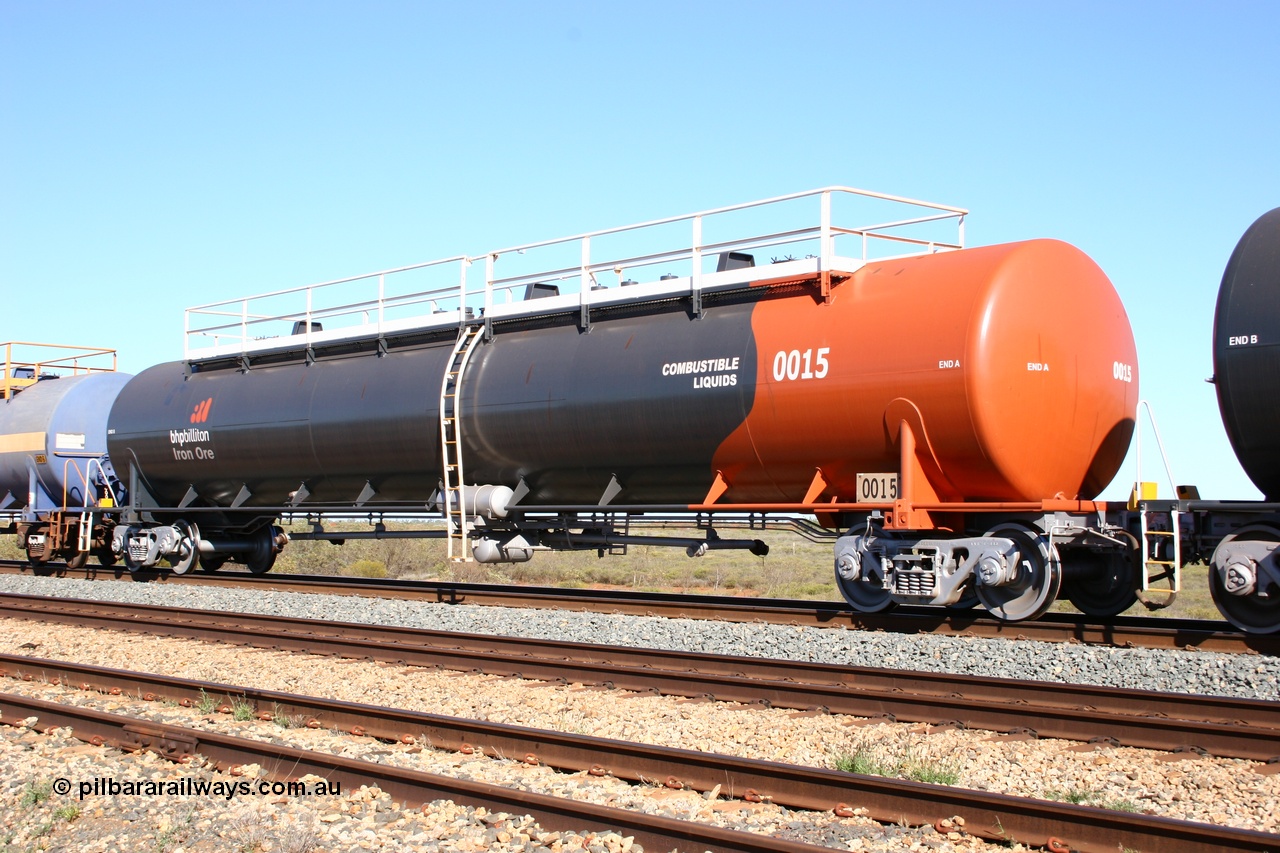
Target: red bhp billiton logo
<point>201,413</point>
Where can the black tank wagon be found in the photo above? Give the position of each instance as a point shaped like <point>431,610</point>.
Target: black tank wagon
<point>1241,539</point>
<point>1246,352</point>
<point>696,379</point>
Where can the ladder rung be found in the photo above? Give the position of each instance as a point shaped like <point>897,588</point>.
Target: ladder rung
<point>452,447</point>
<point>1159,532</point>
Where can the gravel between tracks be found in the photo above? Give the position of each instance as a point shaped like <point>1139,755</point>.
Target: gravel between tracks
<point>1211,790</point>
<point>1249,676</point>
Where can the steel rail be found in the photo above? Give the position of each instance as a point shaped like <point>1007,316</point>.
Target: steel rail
<point>1238,728</point>
<point>1201,634</point>
<point>996,817</point>
<point>285,763</point>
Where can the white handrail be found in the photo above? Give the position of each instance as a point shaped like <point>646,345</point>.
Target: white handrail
<point>329,301</point>
<point>331,282</point>
<point>1137,445</point>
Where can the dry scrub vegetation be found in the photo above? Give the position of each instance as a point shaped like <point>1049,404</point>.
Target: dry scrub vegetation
<point>794,568</point>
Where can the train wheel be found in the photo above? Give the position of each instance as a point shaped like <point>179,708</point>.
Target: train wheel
<point>261,565</point>
<point>1108,582</point>
<point>1035,584</point>
<point>1251,613</point>
<point>78,560</point>
<point>260,560</point>
<point>106,557</point>
<point>863,596</point>
<point>188,555</point>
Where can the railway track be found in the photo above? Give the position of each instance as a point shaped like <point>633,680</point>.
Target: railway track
<point>992,816</point>
<point>284,763</point>
<point>1136,632</point>
<point>1237,728</point>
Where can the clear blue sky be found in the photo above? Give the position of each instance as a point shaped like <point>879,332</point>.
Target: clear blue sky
<point>155,156</point>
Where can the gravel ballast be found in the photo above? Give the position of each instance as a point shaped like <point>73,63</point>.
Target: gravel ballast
<point>1210,673</point>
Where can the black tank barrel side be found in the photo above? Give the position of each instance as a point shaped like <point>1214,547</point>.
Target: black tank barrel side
<point>643,400</point>
<point>1246,352</point>
<point>334,424</point>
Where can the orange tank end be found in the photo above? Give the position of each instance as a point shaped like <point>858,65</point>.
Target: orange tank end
<point>1012,366</point>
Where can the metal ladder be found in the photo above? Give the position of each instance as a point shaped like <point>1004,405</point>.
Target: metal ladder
<point>458,523</point>
<point>1162,541</point>
<point>85,522</point>
<point>1157,543</point>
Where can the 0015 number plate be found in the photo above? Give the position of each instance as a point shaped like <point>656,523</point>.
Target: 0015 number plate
<point>877,488</point>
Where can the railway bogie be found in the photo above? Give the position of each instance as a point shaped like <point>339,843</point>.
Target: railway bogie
<point>1015,570</point>
<point>180,546</point>
<point>1244,578</point>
